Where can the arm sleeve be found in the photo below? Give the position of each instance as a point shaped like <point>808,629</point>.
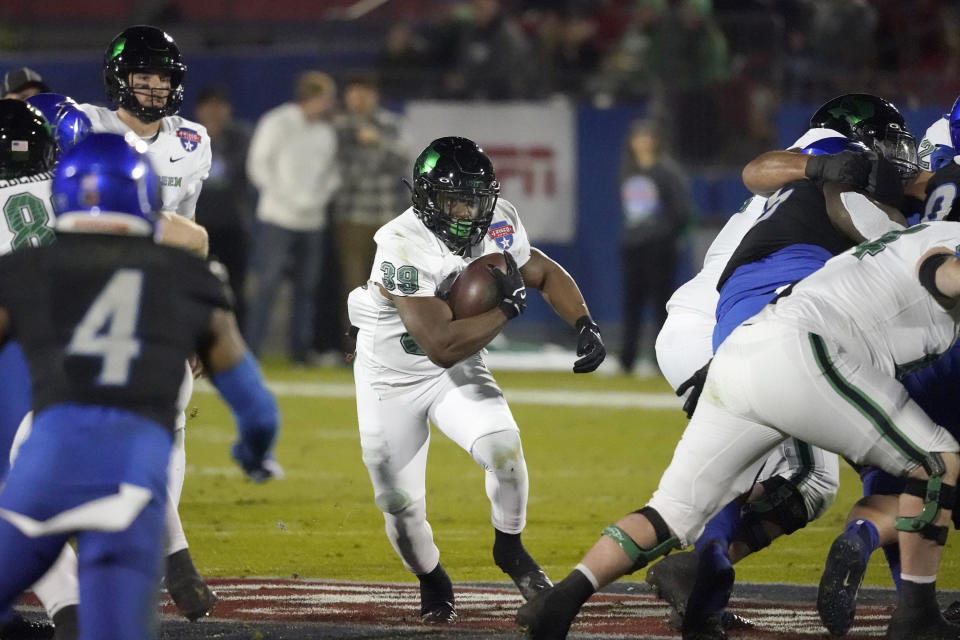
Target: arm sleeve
<point>253,407</point>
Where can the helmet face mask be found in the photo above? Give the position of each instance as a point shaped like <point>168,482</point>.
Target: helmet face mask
<point>876,123</point>
<point>27,146</point>
<point>455,191</point>
<point>144,49</point>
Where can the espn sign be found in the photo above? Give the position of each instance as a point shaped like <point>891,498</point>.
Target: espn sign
<point>533,168</point>
<point>532,146</point>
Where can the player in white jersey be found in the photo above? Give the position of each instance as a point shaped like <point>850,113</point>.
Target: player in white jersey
<point>143,76</point>
<point>936,148</point>
<point>685,344</point>
<point>415,362</point>
<point>802,480</point>
<point>26,164</point>
<point>818,365</point>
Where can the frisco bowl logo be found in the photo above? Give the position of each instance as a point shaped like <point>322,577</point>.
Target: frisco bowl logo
<point>502,234</point>
<point>189,138</point>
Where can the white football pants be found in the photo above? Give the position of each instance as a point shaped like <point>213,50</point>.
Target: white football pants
<point>770,381</point>
<point>466,405</point>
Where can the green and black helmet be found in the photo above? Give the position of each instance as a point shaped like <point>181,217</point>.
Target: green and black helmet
<point>455,191</point>
<point>876,123</point>
<point>143,48</point>
<point>27,146</point>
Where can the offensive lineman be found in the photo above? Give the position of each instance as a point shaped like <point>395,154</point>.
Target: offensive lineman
<point>106,317</point>
<point>870,523</point>
<point>780,240</point>
<point>415,362</point>
<point>143,74</point>
<point>818,365</point>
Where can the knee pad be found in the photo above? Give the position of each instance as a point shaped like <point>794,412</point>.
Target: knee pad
<point>666,542</point>
<point>782,505</point>
<point>392,501</point>
<point>935,495</point>
<point>500,452</point>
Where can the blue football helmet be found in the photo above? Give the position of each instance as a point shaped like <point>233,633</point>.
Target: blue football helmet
<point>835,144</point>
<point>105,185</point>
<point>954,120</point>
<point>69,124</point>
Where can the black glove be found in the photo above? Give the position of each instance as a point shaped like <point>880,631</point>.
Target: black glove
<point>885,183</point>
<point>512,289</point>
<point>589,346</point>
<point>847,167</point>
<point>695,384</point>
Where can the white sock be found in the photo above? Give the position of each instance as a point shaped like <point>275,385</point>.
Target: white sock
<point>582,568</point>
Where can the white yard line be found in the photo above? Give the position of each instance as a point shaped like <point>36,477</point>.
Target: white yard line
<point>545,397</point>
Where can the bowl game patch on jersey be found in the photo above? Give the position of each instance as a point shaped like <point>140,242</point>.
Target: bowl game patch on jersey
<point>502,233</point>
<point>189,138</point>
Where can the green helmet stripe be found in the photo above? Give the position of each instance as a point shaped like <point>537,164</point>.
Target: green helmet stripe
<point>429,161</point>
<point>118,47</point>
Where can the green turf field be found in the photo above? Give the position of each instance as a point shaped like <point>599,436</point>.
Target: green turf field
<point>588,466</point>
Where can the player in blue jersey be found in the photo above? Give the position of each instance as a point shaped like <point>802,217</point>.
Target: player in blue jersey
<point>129,311</point>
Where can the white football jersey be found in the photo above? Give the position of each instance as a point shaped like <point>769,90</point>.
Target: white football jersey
<point>938,134</point>
<point>869,299</point>
<point>180,155</point>
<point>700,293</point>
<point>412,261</point>
<point>27,212</point>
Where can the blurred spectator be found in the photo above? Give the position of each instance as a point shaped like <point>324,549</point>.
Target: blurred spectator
<point>843,39</point>
<point>372,161</point>
<point>401,63</point>
<point>491,57</point>
<point>292,161</point>
<point>20,84</point>
<point>225,207</point>
<point>688,58</point>
<point>567,51</point>
<point>656,208</point>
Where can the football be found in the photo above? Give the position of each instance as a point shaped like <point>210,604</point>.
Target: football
<point>475,290</point>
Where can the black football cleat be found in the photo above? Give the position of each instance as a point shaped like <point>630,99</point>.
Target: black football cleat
<point>926,625</point>
<point>532,583</point>
<point>707,602</point>
<point>672,580</point>
<point>65,625</point>
<point>952,613</point>
<point>840,583</point>
<point>545,616</point>
<point>734,622</point>
<point>436,597</point>
<point>22,628</point>
<point>438,613</point>
<point>188,590</point>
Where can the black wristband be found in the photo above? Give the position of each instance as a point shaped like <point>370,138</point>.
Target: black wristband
<point>928,272</point>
